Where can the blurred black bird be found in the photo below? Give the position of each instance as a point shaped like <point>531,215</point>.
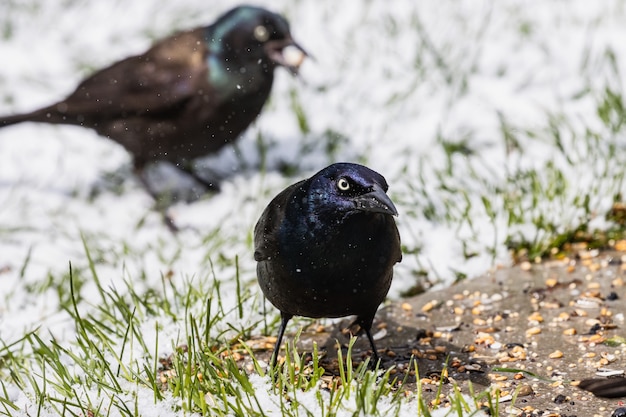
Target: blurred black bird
<point>188,95</point>
<point>326,247</point>
<point>605,387</point>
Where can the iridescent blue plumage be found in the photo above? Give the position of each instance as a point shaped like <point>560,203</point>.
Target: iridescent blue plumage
<point>239,65</point>
<point>326,246</point>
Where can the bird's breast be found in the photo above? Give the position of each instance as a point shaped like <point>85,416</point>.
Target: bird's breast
<point>329,274</point>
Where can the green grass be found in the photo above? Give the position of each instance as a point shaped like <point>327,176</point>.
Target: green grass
<point>539,208</point>
<point>117,360</point>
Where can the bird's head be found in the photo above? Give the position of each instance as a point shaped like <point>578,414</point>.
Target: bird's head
<point>255,35</point>
<point>345,188</point>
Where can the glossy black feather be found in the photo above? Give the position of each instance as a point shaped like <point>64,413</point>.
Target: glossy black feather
<point>607,388</point>
<point>326,247</point>
<point>187,96</point>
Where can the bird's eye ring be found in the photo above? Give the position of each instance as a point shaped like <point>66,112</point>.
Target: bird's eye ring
<point>261,33</point>
<point>343,184</point>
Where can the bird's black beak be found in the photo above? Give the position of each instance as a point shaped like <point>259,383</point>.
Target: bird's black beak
<point>376,201</point>
<point>286,53</point>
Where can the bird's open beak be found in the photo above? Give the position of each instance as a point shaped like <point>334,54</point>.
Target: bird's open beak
<point>286,53</point>
<point>376,201</point>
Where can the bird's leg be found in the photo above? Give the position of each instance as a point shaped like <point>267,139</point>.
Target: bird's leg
<point>366,325</point>
<point>160,205</point>
<point>284,319</point>
<point>375,357</point>
<point>187,168</point>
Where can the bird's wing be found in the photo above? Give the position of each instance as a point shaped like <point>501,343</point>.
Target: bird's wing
<point>161,79</point>
<point>397,245</point>
<point>266,229</point>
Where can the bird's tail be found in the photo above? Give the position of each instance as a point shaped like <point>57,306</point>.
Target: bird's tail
<point>608,388</point>
<point>45,115</point>
<point>11,120</point>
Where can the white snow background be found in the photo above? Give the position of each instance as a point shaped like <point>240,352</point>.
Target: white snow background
<point>391,83</point>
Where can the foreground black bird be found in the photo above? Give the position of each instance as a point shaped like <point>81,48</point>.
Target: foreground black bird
<point>188,95</point>
<point>326,247</point>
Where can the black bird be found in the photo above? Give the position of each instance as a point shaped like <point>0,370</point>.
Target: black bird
<point>605,387</point>
<point>188,95</point>
<point>326,247</point>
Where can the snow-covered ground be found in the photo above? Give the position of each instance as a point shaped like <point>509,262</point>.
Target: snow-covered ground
<point>391,84</point>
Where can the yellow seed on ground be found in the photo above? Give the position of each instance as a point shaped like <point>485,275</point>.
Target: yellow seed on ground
<point>563,316</point>
<point>533,331</point>
<point>620,245</point>
<point>557,354</point>
<point>429,306</point>
<point>594,267</point>
<point>593,285</point>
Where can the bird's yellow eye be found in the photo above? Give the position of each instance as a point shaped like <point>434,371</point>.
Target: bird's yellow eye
<point>261,33</point>
<point>343,184</point>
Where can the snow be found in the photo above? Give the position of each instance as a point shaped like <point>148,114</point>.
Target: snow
<point>392,78</point>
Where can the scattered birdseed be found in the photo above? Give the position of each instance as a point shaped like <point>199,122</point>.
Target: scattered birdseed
<point>563,316</point>
<point>525,390</point>
<point>551,282</point>
<point>557,354</point>
<point>533,331</point>
<point>536,316</point>
<point>429,306</point>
